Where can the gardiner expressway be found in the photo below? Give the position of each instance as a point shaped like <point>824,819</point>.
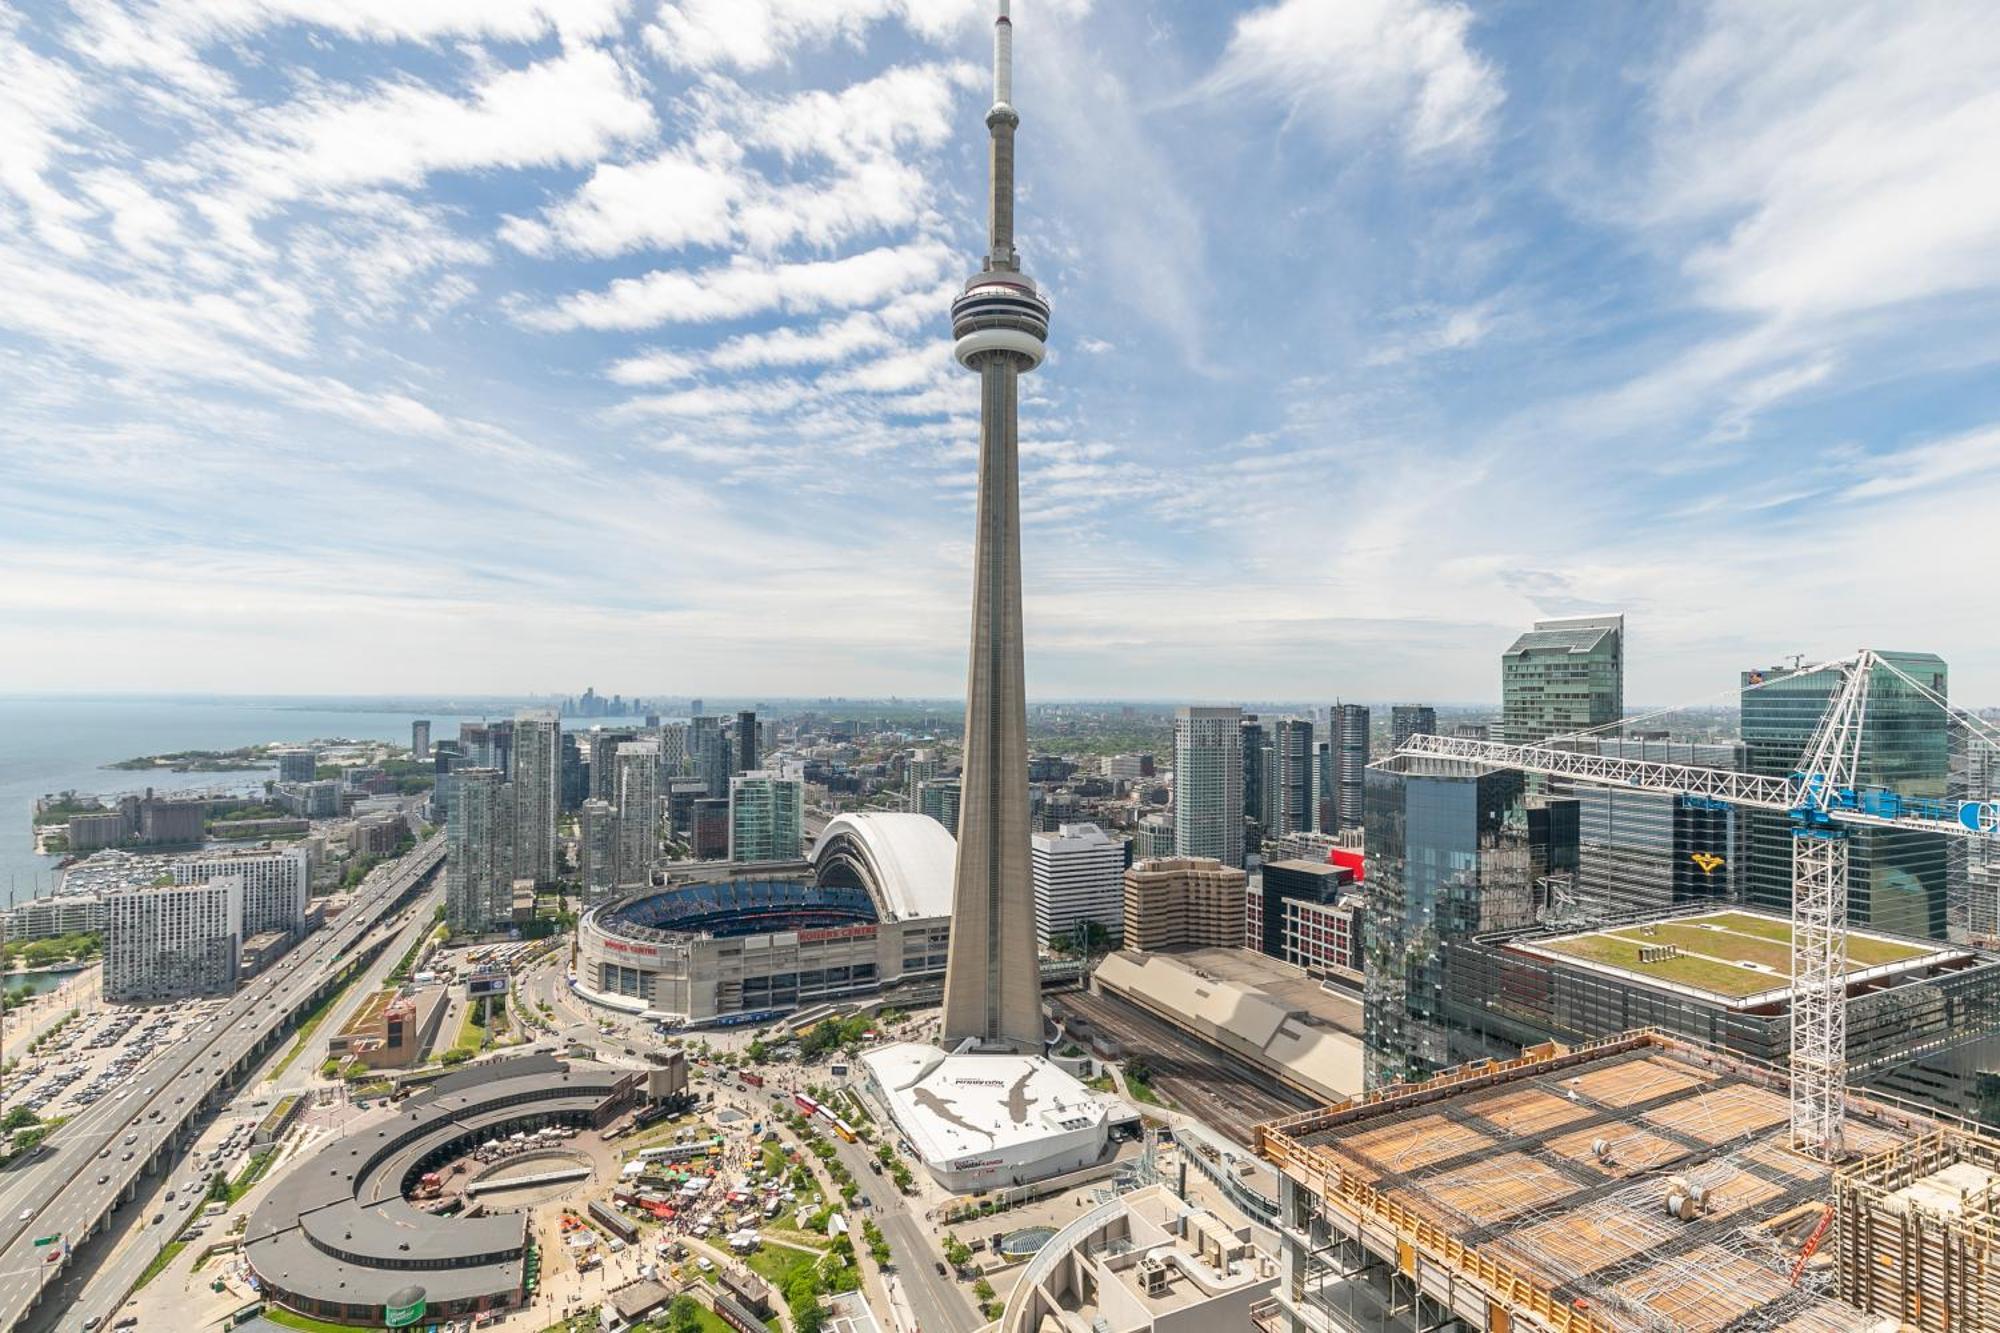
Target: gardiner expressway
<point>64,1193</point>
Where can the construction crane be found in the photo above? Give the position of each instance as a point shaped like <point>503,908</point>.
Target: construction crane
<point>1826,802</point>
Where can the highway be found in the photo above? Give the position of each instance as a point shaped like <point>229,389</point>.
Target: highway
<point>97,1286</point>
<point>96,1160</point>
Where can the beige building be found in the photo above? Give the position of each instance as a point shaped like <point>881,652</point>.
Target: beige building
<point>1186,902</point>
<point>391,1030</point>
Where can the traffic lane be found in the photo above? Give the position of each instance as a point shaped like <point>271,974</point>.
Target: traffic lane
<point>909,1242</point>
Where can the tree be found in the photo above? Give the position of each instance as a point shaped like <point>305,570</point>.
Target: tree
<point>19,1117</point>
<point>684,1315</point>
<point>982,1290</point>
<point>956,1252</point>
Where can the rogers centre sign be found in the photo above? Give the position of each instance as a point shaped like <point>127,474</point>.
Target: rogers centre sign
<point>822,934</point>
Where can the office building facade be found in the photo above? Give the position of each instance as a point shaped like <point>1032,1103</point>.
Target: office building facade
<point>1407,720</point>
<point>1447,859</point>
<point>766,818</point>
<point>1645,851</point>
<point>939,798</point>
<point>1208,784</point>
<point>1079,873</point>
<point>711,754</point>
<point>420,738</point>
<point>1288,778</point>
<point>1563,676</point>
<point>1897,881</point>
<point>296,764</point>
<point>173,941</point>
<point>744,742</point>
<point>1348,727</point>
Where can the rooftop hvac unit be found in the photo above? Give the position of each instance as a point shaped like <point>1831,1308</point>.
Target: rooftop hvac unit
<point>1152,1277</point>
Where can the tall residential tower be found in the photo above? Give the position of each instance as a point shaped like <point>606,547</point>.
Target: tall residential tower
<point>992,988</point>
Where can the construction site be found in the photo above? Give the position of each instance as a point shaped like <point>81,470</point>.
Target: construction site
<point>1638,1183</point>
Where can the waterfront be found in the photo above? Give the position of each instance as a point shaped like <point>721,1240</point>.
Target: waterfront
<point>58,744</point>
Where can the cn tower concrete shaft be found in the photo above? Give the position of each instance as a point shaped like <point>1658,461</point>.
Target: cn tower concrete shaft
<point>992,990</point>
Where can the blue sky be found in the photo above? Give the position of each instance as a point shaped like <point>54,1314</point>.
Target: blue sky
<point>509,345</point>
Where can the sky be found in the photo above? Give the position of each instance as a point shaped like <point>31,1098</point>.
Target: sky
<point>494,346</point>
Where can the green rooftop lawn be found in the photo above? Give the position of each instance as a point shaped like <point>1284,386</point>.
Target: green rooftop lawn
<point>1726,945</point>
<point>1701,973</point>
<point>1862,951</point>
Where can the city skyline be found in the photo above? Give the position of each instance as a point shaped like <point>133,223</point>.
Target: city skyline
<point>1572,316</point>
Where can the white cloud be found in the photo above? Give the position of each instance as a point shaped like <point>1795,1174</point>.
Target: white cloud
<point>654,367</point>
<point>1930,466</point>
<point>1849,153</point>
<point>756,34</point>
<point>1347,69</point>
<point>746,287</point>
<point>41,100</point>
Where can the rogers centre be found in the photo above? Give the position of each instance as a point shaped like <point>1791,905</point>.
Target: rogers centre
<point>874,911</point>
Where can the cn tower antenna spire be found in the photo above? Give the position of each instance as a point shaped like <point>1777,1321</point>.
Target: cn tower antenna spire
<point>992,982</point>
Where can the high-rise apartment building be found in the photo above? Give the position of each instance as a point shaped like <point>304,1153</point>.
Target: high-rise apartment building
<point>275,886</point>
<point>711,754</point>
<point>1185,903</point>
<point>1348,727</point>
<point>296,764</point>
<point>673,751</point>
<point>1448,858</point>
<point>1407,720</point>
<point>537,793</point>
<point>766,817</point>
<point>604,743</point>
<point>939,798</point>
<point>420,738</point>
<point>1079,875</point>
<point>637,765</point>
<point>919,768</point>
<point>479,852</point>
<point>173,941</point>
<point>1563,676</point>
<point>597,849</point>
<point>1288,777</point>
<point>1897,880</point>
<point>745,742</point>
<point>1208,784</point>
<point>575,773</point>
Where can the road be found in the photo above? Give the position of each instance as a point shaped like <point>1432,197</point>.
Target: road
<point>98,1289</point>
<point>98,1158</point>
<point>940,1304</point>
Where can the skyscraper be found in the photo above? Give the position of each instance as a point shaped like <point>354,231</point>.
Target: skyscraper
<point>746,742</point>
<point>637,765</point>
<point>921,767</point>
<point>420,739</point>
<point>597,850</point>
<point>1563,676</point>
<point>1288,778</point>
<point>1208,784</point>
<point>1254,766</point>
<point>992,988</point>
<point>1079,879</point>
<point>1897,880</point>
<point>766,817</point>
<point>604,745</point>
<point>711,754</point>
<point>1349,724</point>
<point>537,793</point>
<point>1407,720</point>
<point>479,852</point>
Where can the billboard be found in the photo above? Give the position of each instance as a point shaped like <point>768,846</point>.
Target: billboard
<point>402,1316</point>
<point>486,983</point>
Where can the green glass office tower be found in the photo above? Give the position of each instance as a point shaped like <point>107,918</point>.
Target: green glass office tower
<point>1563,676</point>
<point>1896,880</point>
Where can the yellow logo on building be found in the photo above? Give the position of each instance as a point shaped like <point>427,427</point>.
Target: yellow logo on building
<point>1708,861</point>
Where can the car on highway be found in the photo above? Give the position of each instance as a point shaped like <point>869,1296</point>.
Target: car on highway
<point>102,1179</point>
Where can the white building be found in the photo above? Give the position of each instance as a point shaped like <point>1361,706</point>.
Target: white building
<point>275,886</point>
<point>636,788</point>
<point>56,914</point>
<point>921,767</point>
<point>479,852</point>
<point>537,793</point>
<point>766,818</point>
<point>597,849</point>
<point>1079,875</point>
<point>982,1122</point>
<point>1208,784</point>
<point>173,941</point>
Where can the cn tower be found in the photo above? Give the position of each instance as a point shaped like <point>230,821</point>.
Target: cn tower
<point>992,986</point>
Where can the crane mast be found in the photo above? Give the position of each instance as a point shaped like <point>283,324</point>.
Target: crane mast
<point>1826,801</point>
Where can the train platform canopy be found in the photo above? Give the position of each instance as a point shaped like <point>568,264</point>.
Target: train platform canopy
<point>983,1121</point>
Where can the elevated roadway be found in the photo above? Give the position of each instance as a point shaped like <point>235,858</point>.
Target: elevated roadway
<point>95,1161</point>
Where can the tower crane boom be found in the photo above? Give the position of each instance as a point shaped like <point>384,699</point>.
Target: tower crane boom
<point>1826,800</point>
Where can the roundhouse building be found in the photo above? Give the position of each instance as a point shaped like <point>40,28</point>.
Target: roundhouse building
<point>337,1239</point>
<point>873,910</point>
